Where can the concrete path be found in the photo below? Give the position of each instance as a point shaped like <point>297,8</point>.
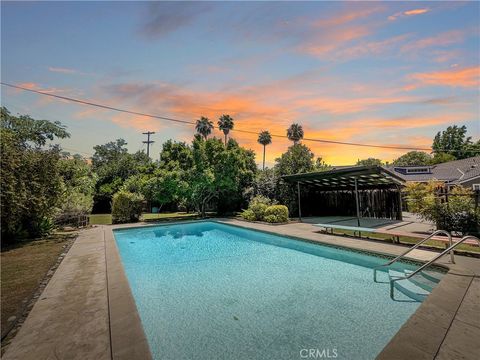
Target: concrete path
<point>70,319</point>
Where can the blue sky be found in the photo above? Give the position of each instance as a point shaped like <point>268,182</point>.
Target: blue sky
<point>390,73</point>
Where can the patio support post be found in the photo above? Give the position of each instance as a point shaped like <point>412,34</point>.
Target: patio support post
<point>299,203</point>
<point>400,205</point>
<point>357,202</point>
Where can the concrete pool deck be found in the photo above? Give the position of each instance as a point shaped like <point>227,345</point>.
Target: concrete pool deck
<point>87,310</point>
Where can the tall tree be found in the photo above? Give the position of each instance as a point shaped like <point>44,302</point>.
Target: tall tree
<point>298,159</point>
<point>30,181</point>
<point>370,162</point>
<point>225,123</point>
<point>265,139</point>
<point>413,158</point>
<point>113,165</point>
<point>204,127</point>
<point>78,184</point>
<point>295,133</point>
<point>453,141</point>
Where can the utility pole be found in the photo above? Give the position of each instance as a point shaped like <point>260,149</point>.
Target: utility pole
<point>148,142</point>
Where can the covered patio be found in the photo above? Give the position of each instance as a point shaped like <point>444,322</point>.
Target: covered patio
<point>356,191</point>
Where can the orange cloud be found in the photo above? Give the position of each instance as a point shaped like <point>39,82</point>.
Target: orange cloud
<point>408,13</point>
<point>468,77</point>
<point>416,11</point>
<point>410,122</point>
<point>30,85</point>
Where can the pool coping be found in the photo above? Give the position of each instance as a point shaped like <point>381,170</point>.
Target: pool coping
<point>420,337</point>
<point>127,336</point>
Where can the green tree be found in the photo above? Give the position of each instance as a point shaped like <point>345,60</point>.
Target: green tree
<point>454,141</point>
<point>176,155</point>
<point>370,162</point>
<point>78,185</point>
<point>439,158</point>
<point>265,139</point>
<point>225,123</point>
<point>204,127</point>
<point>295,133</point>
<point>220,175</point>
<point>413,158</point>
<point>298,159</point>
<point>31,132</point>
<point>457,214</point>
<point>113,165</point>
<point>164,187</point>
<point>266,184</point>
<point>30,181</point>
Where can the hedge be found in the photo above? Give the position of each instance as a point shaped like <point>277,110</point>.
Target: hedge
<point>276,214</point>
<point>126,207</point>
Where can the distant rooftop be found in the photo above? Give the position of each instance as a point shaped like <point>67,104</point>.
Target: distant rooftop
<point>456,171</point>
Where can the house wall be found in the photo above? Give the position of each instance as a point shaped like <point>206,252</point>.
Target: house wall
<point>470,183</point>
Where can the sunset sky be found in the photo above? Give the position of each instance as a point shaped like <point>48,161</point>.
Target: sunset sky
<point>391,73</point>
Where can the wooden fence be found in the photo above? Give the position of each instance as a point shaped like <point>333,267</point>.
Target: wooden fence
<point>375,203</point>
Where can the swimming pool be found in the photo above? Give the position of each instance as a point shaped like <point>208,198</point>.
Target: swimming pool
<point>206,290</point>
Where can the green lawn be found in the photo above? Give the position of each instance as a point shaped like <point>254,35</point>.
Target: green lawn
<point>106,219</point>
<point>411,240</point>
<point>100,219</point>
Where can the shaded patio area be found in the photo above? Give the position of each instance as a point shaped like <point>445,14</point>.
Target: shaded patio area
<point>354,192</point>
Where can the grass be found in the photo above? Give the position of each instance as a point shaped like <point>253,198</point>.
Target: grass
<point>23,266</point>
<point>100,219</point>
<point>413,240</point>
<point>106,219</point>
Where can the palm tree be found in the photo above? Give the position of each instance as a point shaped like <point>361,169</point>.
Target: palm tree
<point>204,127</point>
<point>295,133</point>
<point>225,123</point>
<point>265,139</point>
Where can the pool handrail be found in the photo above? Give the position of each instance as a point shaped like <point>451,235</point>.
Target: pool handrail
<point>452,258</point>
<point>450,248</point>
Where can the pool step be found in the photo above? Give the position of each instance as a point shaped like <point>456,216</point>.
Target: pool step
<point>427,282</point>
<point>408,287</point>
<point>432,276</point>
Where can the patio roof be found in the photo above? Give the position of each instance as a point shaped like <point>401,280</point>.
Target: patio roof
<point>367,177</point>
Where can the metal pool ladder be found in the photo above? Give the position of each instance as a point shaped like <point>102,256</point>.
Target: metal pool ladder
<point>452,258</point>
<point>449,249</point>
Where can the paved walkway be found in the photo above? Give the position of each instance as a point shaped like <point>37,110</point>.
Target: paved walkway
<point>411,224</point>
<point>73,320</point>
<point>70,319</point>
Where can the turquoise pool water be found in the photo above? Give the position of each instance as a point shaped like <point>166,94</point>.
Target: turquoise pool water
<point>206,290</point>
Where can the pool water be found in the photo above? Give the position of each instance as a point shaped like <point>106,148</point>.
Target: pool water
<point>206,290</point>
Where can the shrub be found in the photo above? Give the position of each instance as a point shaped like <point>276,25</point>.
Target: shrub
<point>126,207</point>
<point>271,219</point>
<point>276,214</point>
<point>248,215</point>
<point>458,214</point>
<point>258,205</point>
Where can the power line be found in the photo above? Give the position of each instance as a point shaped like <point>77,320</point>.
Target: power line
<point>89,103</point>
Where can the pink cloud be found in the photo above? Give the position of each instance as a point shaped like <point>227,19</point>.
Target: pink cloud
<point>466,77</point>
<point>443,39</point>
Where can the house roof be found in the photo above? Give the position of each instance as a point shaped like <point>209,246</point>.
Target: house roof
<point>456,171</point>
<point>343,178</point>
